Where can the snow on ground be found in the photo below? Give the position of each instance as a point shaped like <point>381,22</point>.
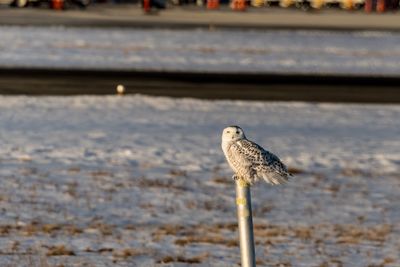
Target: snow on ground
<point>141,181</point>
<point>364,52</point>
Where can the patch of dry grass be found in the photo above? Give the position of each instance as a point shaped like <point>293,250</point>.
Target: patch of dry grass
<point>51,229</point>
<point>210,239</point>
<point>104,229</point>
<point>59,250</point>
<point>74,170</point>
<point>303,232</point>
<point>34,228</point>
<point>216,233</point>
<point>270,234</point>
<point>333,189</point>
<point>100,250</point>
<point>129,252</point>
<point>354,172</point>
<point>101,173</point>
<point>187,234</point>
<point>178,173</point>
<point>5,229</point>
<point>283,264</point>
<point>353,234</point>
<point>222,180</point>
<point>183,259</point>
<point>167,184</point>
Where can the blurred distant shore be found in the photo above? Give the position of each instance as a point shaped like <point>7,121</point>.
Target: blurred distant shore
<point>131,15</point>
<point>218,85</point>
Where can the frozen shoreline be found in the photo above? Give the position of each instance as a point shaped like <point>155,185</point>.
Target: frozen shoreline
<point>199,50</point>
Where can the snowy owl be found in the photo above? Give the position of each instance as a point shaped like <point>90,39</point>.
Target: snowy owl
<point>249,161</point>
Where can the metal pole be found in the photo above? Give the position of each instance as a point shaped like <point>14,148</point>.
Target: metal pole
<point>245,218</point>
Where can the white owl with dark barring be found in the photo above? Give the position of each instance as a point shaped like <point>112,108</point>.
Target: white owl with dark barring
<point>249,161</point>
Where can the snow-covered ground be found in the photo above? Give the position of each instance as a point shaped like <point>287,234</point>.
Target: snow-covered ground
<point>363,52</point>
<point>141,181</point>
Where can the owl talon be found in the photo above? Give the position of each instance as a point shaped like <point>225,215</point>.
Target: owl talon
<point>235,177</point>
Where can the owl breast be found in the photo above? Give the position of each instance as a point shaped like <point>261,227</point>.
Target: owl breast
<point>238,162</point>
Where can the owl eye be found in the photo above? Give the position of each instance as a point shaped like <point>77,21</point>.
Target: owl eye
<point>237,132</point>
<point>227,131</point>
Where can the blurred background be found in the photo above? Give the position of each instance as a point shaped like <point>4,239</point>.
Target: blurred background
<point>379,6</point>
<point>111,115</point>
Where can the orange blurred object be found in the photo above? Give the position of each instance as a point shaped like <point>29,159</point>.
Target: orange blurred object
<point>368,6</point>
<point>146,6</point>
<point>57,4</point>
<point>212,4</point>
<point>239,5</point>
<point>381,6</point>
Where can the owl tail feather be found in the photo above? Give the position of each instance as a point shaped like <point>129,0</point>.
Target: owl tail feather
<point>275,178</point>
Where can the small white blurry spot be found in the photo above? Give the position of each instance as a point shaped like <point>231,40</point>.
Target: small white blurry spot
<point>120,89</point>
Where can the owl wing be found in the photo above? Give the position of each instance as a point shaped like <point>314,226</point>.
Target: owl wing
<point>264,164</point>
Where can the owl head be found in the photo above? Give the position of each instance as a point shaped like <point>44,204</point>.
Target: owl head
<point>232,133</point>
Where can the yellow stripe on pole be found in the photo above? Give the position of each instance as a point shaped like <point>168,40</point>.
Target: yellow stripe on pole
<point>241,201</point>
<point>242,183</point>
